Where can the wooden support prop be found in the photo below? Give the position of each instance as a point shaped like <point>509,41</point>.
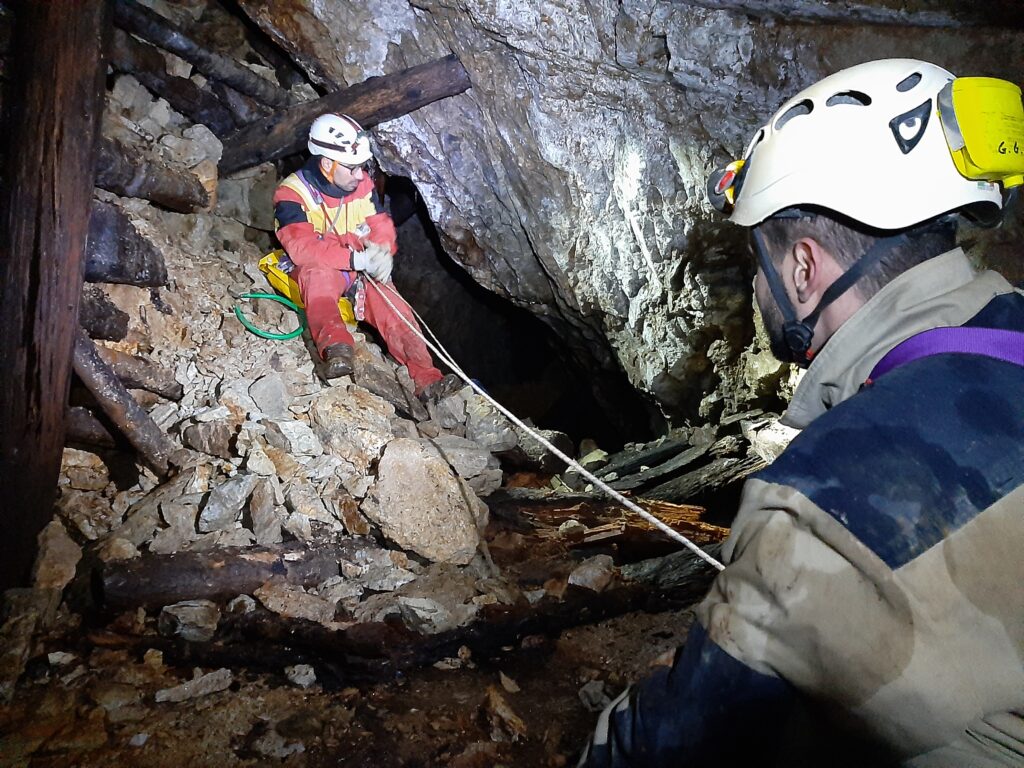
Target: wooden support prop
<point>243,109</point>
<point>371,102</point>
<point>151,26</point>
<point>54,101</point>
<point>147,65</point>
<point>126,172</point>
<point>99,316</point>
<point>139,373</point>
<point>117,253</point>
<point>156,580</point>
<point>136,425</point>
<point>85,429</point>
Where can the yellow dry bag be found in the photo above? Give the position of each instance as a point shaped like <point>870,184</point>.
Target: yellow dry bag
<point>270,265</point>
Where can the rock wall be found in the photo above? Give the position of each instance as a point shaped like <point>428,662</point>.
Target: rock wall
<point>570,177</point>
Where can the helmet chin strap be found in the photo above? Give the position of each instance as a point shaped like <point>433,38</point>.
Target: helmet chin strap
<point>798,334</point>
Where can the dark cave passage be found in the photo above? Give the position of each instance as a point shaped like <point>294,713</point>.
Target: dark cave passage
<point>516,356</point>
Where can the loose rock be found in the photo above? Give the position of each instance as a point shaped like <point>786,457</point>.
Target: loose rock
<point>420,504</point>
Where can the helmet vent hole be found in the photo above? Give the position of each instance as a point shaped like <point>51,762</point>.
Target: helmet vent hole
<point>908,82</point>
<point>849,97</point>
<point>800,108</point>
<point>909,128</point>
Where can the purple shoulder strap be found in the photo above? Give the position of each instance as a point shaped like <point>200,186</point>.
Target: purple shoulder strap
<point>990,342</point>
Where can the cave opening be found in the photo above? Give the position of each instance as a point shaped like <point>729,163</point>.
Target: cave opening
<point>515,355</point>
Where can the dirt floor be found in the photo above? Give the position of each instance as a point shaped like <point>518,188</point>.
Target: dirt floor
<point>524,709</point>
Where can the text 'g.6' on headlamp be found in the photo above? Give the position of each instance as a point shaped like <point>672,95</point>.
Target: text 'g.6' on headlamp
<point>724,186</point>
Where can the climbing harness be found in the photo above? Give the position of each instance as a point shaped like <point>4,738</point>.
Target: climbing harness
<point>439,350</point>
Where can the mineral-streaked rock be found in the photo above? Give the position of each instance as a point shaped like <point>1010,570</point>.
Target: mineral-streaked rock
<point>353,424</point>
<point>421,505</point>
<point>430,617</point>
<point>466,457</point>
<point>488,427</point>
<point>57,558</point>
<point>192,620</point>
<point>295,603</point>
<point>225,504</point>
<point>200,685</point>
<point>258,462</point>
<point>91,515</point>
<point>293,436</point>
<point>304,499</point>
<point>211,437</point>
<point>266,524</point>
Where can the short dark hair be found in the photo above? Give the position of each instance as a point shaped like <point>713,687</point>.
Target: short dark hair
<point>848,241</point>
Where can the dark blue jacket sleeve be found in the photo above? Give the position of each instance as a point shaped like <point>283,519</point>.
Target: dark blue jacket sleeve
<point>707,709</point>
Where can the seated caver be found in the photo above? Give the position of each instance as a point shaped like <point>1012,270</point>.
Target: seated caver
<point>330,221</point>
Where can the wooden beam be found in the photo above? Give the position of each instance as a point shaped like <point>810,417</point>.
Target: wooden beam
<point>139,373</point>
<point>54,101</point>
<point>100,317</point>
<point>375,650</point>
<point>244,110</point>
<point>117,253</point>
<point>85,429</point>
<point>147,65</point>
<point>151,26</point>
<point>117,402</point>
<point>373,101</point>
<point>125,171</point>
<point>157,580</point>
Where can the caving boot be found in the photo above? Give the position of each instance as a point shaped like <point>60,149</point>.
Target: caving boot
<point>337,361</point>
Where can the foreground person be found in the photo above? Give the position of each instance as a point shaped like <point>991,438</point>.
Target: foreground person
<point>332,226</point>
<point>875,571</point>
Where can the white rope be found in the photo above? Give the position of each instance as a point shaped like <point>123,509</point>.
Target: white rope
<point>442,353</point>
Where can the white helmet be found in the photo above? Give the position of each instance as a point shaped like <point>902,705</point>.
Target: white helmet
<point>340,138</point>
<point>866,142</point>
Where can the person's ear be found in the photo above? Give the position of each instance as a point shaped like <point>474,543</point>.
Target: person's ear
<point>808,269</point>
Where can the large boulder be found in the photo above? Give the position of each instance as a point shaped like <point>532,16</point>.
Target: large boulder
<point>353,424</point>
<point>420,504</point>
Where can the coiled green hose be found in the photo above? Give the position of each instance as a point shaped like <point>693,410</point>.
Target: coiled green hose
<point>267,334</point>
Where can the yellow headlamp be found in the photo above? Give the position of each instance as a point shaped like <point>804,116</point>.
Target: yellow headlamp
<point>724,185</point>
<point>983,121</point>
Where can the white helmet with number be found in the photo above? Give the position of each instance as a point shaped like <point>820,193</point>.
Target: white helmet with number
<point>340,138</point>
<point>866,142</point>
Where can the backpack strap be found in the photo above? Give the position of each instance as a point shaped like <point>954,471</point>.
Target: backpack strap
<point>989,342</point>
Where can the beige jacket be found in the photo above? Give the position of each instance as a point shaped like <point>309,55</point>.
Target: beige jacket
<point>832,581</point>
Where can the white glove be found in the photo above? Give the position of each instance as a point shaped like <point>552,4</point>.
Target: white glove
<point>376,261</point>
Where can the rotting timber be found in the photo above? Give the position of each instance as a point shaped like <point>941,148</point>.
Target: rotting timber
<point>53,104</point>
<point>532,556</point>
<point>371,102</point>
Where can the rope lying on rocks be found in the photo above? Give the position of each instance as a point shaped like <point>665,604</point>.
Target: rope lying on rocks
<point>439,350</point>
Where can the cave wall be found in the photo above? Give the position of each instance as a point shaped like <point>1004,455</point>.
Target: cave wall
<point>570,177</point>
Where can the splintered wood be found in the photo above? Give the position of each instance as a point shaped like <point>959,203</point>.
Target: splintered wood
<point>581,520</point>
